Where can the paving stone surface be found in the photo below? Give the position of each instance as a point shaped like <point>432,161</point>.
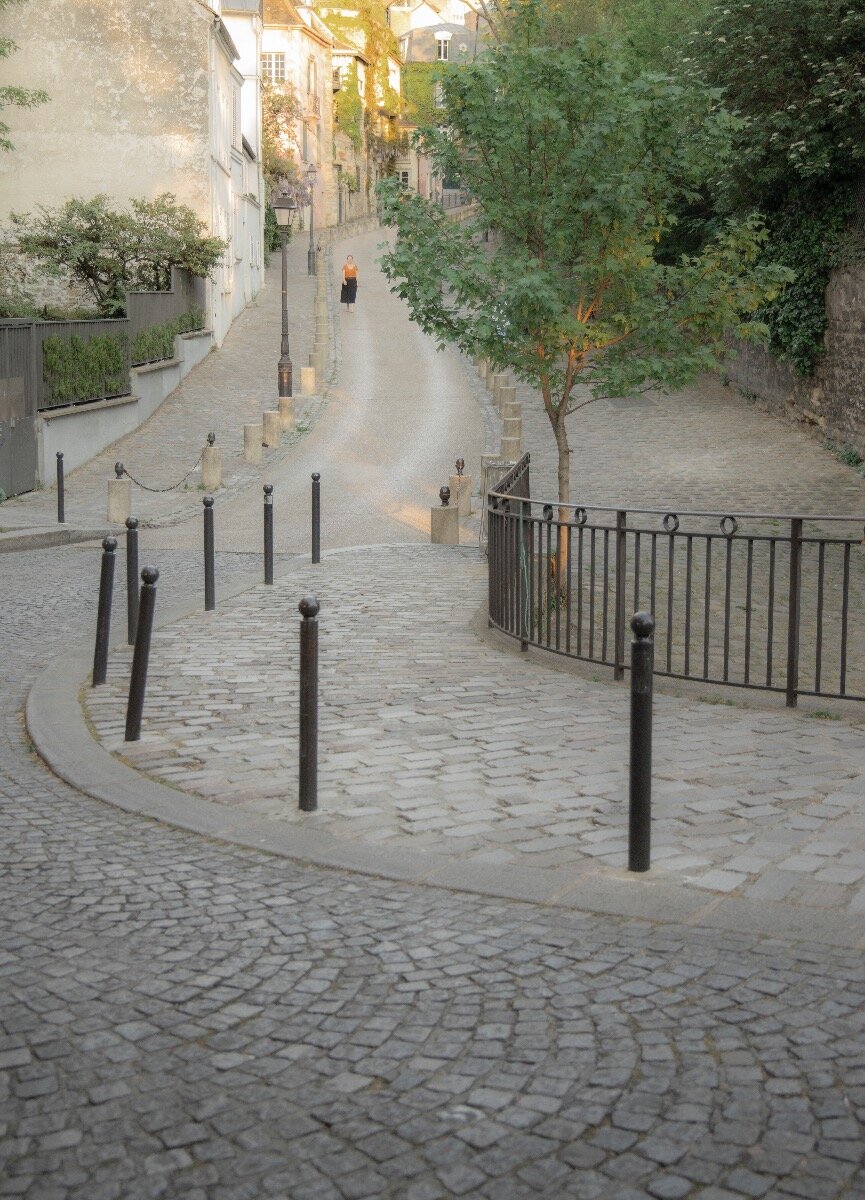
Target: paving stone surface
<point>431,740</point>
<point>183,1019</point>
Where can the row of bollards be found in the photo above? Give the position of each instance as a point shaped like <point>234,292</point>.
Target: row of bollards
<point>140,611</point>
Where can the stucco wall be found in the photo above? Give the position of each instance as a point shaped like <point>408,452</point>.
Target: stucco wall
<point>832,401</point>
<point>128,113</point>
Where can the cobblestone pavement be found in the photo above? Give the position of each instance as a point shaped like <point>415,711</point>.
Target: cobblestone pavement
<point>184,1019</point>
<point>180,1019</point>
<point>431,741</point>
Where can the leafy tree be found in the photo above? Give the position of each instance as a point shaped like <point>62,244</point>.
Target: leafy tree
<point>579,167</point>
<point>16,97</point>
<point>795,71</point>
<point>280,112</point>
<point>112,251</point>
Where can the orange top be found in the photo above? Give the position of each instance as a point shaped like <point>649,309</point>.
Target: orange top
<point>350,271</point>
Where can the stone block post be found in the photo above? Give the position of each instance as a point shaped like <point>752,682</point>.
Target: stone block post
<point>119,496</point>
<point>271,424</point>
<point>211,465</point>
<point>445,522</point>
<point>252,435</point>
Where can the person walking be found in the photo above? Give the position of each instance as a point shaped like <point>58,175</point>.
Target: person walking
<point>348,294</point>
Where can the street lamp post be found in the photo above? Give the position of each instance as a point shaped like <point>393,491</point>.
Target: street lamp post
<point>284,207</point>
<point>310,254</point>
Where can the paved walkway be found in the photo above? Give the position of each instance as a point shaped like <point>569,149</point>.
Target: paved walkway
<point>185,1018</point>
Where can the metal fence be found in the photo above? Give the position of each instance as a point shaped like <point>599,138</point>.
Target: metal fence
<point>751,600</point>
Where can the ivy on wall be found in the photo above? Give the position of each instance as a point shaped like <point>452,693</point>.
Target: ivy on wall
<point>419,85</point>
<point>348,108</point>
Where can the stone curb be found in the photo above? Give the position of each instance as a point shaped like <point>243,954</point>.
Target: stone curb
<point>43,537</point>
<point>59,732</point>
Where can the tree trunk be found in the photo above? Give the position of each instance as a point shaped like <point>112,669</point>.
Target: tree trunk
<point>558,572</point>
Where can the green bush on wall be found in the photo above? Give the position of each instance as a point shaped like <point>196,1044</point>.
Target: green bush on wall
<point>75,369</point>
<point>157,342</point>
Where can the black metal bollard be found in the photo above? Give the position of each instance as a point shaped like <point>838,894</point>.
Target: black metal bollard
<point>61,491</point>
<point>131,579</point>
<point>141,654</point>
<point>209,567</point>
<point>308,794</point>
<point>268,533</point>
<point>316,517</point>
<point>640,812</point>
<point>103,617</point>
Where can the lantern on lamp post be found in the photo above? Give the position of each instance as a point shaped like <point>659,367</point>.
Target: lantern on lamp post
<point>284,206</point>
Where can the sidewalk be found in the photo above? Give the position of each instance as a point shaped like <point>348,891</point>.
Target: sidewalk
<point>229,388</point>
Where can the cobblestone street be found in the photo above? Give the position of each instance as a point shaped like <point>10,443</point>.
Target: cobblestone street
<point>217,1015</point>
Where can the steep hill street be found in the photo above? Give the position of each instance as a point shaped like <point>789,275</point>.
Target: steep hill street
<point>187,1018</point>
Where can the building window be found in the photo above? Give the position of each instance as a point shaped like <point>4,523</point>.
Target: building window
<point>442,49</point>
<point>304,149</point>
<point>439,95</point>
<point>403,47</point>
<point>311,80</point>
<point>273,67</point>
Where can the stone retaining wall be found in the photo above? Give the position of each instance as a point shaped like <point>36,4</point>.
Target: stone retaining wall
<point>832,401</point>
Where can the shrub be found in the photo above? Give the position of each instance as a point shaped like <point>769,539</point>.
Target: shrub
<point>157,342</point>
<point>76,369</point>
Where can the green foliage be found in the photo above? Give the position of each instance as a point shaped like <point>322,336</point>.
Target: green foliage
<point>280,112</point>
<point>800,146</point>
<point>15,97</point>
<point>579,166</point>
<point>76,369</point>
<point>810,235</point>
<point>802,89</point>
<point>157,342</point>
<point>419,86</point>
<point>348,108</point>
<point>112,251</point>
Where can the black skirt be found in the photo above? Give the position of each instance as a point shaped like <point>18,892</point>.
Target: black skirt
<point>348,294</point>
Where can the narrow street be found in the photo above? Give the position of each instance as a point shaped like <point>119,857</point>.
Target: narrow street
<point>188,1019</point>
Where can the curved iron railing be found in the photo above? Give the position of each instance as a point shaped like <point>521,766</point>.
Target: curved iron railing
<point>753,600</point>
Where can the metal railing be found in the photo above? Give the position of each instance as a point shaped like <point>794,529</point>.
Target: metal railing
<point>751,600</point>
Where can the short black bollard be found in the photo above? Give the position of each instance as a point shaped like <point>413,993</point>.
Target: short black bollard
<point>308,794</point>
<point>61,491</point>
<point>268,533</point>
<point>103,617</point>
<point>209,567</point>
<point>131,579</point>
<point>640,814</point>
<point>316,517</point>
<point>141,654</point>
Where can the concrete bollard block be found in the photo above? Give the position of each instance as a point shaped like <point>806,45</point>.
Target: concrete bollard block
<point>510,411</point>
<point>500,384</point>
<point>271,426</point>
<point>307,381</point>
<point>317,362</point>
<point>511,449</point>
<point>211,468</point>
<point>252,435</point>
<point>286,408</point>
<point>461,493</point>
<point>119,500</point>
<point>507,395</point>
<point>445,526</point>
<point>512,427</point>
